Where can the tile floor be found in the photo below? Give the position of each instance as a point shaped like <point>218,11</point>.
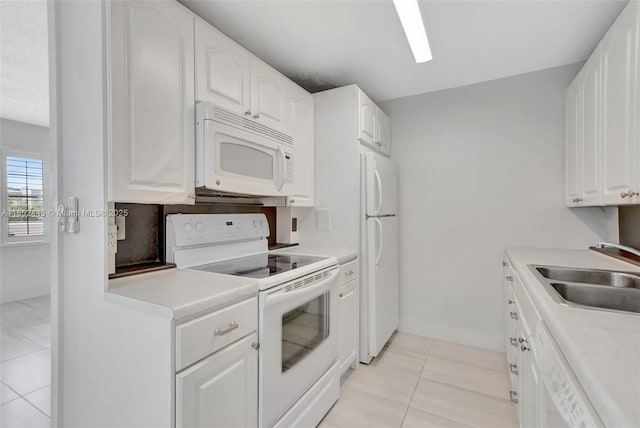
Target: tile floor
<point>422,382</point>
<point>25,363</point>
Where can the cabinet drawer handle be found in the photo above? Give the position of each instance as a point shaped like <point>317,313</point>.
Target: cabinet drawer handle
<point>514,341</point>
<point>247,113</point>
<point>513,315</point>
<point>232,326</point>
<point>348,273</point>
<point>256,116</point>
<point>513,368</point>
<point>630,193</point>
<point>513,396</point>
<point>509,278</point>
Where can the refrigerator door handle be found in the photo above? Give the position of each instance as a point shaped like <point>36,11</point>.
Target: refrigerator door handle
<point>379,190</point>
<point>379,253</point>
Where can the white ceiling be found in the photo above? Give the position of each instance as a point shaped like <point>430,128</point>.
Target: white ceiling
<point>24,60</point>
<point>322,44</point>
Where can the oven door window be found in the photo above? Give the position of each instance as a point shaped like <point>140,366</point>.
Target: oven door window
<point>304,329</point>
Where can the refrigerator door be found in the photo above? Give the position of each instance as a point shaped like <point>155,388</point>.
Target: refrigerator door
<point>380,304</point>
<point>381,185</point>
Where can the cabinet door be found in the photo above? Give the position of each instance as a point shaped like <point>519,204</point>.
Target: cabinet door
<point>269,96</point>
<point>619,90</point>
<point>573,144</point>
<point>221,390</point>
<point>383,132</point>
<point>222,70</point>
<point>301,106</point>
<point>590,130</point>
<point>348,322</point>
<point>366,120</point>
<point>152,103</point>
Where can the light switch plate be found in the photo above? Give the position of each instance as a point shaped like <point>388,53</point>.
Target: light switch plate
<point>323,219</point>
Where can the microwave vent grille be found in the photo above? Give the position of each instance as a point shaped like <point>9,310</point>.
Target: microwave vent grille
<point>251,125</point>
<point>306,281</point>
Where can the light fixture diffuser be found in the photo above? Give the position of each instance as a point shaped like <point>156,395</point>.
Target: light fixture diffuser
<point>411,20</point>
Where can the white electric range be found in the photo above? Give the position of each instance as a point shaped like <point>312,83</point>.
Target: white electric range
<point>298,328</point>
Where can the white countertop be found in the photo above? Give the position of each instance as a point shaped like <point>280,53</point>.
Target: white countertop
<point>343,255</point>
<point>179,293</point>
<point>602,347</point>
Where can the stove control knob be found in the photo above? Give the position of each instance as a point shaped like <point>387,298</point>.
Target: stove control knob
<point>256,223</point>
<point>199,227</point>
<point>187,227</point>
<point>261,223</point>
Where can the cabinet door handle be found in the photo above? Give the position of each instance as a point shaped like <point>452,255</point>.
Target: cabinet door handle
<point>630,193</point>
<point>513,396</point>
<point>576,200</point>
<point>341,295</point>
<point>247,113</point>
<point>514,341</point>
<point>505,264</point>
<point>232,326</point>
<point>510,301</point>
<point>513,315</point>
<point>513,368</point>
<point>255,345</point>
<point>524,347</point>
<point>256,116</point>
<point>509,278</point>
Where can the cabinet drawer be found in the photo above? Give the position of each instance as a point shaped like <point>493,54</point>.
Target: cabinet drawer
<point>348,272</point>
<point>202,336</point>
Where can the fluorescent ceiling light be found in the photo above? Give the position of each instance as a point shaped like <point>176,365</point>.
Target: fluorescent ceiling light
<point>411,19</point>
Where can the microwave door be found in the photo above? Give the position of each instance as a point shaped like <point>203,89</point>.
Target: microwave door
<point>237,161</point>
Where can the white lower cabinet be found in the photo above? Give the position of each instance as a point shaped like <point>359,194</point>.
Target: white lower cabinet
<point>348,316</point>
<point>220,387</point>
<point>519,320</point>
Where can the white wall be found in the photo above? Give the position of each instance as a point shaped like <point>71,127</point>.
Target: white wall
<point>481,168</point>
<point>24,268</point>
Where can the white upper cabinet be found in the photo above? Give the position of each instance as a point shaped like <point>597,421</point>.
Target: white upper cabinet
<point>573,145</point>
<point>151,111</point>
<point>383,132</point>
<point>619,110</point>
<point>603,120</point>
<point>374,126</point>
<point>269,96</point>
<point>590,126</point>
<point>302,117</point>
<point>223,70</point>
<point>367,112</point>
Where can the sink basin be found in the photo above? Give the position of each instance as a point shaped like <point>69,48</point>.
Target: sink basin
<point>620,299</point>
<point>591,288</point>
<point>591,276</point>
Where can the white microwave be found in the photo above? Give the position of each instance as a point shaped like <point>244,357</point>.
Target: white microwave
<point>236,155</point>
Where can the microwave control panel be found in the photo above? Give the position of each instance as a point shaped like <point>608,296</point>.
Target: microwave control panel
<point>288,167</point>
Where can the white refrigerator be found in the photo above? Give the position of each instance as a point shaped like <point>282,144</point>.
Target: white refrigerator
<point>379,302</point>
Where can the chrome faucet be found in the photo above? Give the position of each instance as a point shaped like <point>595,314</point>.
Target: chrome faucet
<point>619,247</point>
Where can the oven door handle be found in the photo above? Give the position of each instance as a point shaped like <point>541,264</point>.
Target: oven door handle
<point>282,295</point>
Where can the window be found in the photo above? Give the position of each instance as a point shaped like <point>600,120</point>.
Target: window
<point>23,210</point>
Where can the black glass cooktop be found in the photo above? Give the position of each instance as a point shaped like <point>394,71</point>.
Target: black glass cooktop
<point>260,265</point>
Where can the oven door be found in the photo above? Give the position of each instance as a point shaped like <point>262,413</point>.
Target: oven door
<point>241,162</point>
<point>298,340</point>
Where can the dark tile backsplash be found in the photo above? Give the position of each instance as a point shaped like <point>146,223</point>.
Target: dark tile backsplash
<point>629,225</point>
<point>145,228</point>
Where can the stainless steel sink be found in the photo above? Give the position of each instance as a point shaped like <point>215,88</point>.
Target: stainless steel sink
<point>591,288</point>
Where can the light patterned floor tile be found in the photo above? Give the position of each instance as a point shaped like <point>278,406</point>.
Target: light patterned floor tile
<point>411,342</point>
<point>28,373</point>
<point>20,414</point>
<point>40,334</point>
<point>6,394</point>
<point>467,376</point>
<point>464,406</point>
<point>357,409</point>
<point>41,399</point>
<point>418,419</point>
<point>469,354</point>
<point>14,345</point>
<point>400,359</point>
<point>393,385</point>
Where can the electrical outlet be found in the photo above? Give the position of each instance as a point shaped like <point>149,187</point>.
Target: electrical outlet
<point>112,239</point>
<point>120,221</point>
